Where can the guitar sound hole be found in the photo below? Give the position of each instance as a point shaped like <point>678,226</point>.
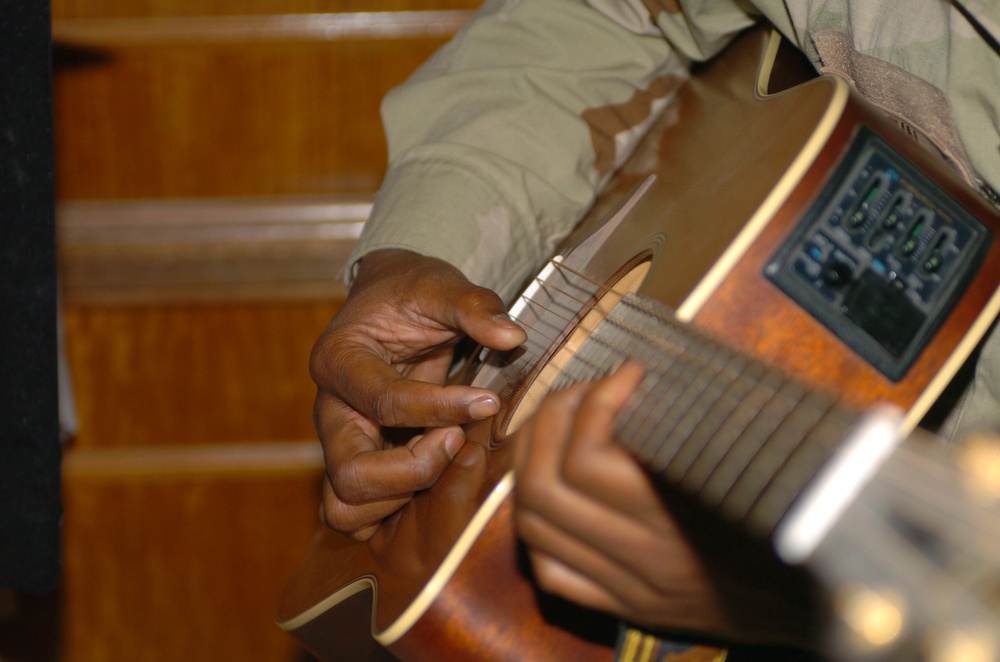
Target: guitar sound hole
<point>529,394</point>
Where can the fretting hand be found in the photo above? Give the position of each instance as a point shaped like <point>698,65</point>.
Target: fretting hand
<point>601,533</point>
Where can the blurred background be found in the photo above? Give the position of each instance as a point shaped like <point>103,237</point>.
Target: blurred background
<point>214,162</point>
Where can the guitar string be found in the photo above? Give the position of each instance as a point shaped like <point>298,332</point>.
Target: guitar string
<point>565,314</point>
<point>964,563</point>
<point>775,452</point>
<point>561,312</point>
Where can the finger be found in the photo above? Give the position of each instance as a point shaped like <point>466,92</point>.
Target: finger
<point>559,579</point>
<point>392,400</point>
<point>580,573</point>
<point>441,295</point>
<point>357,521</point>
<point>617,536</point>
<point>599,466</point>
<point>539,456</point>
<point>589,412</point>
<point>579,416</point>
<point>379,474</point>
<point>361,490</point>
<point>555,557</point>
<point>594,426</point>
<point>432,521</point>
<point>612,476</point>
<point>540,443</point>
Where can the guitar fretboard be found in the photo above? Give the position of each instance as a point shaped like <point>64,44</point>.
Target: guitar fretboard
<point>719,425</point>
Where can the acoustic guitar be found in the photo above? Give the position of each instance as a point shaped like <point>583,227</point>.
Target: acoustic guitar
<point>779,257</point>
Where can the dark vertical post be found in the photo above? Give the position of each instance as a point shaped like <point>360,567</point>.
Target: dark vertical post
<point>30,507</point>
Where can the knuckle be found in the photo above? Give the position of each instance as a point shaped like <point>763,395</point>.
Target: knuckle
<point>558,402</point>
<point>657,583</point>
<point>527,524</point>
<point>383,407</point>
<point>318,362</point>
<point>343,521</point>
<point>343,517</point>
<point>331,518</point>
<point>576,469</point>
<point>558,405</point>
<point>478,298</point>
<point>598,397</point>
<point>425,474</point>
<point>548,578</point>
<point>326,357</point>
<point>425,468</point>
<point>347,483</point>
<point>319,357</point>
<point>334,514</point>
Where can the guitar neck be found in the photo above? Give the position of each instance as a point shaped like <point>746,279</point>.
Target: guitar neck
<point>721,426</point>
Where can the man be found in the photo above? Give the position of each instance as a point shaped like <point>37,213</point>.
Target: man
<point>497,146</point>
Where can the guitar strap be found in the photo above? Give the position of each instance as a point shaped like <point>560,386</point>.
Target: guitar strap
<point>990,38</point>
<point>637,645</point>
<point>979,25</point>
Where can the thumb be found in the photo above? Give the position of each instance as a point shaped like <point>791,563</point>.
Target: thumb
<point>480,313</point>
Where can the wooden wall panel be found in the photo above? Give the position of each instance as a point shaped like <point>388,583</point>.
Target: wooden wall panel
<point>226,119</point>
<point>193,374</point>
<point>188,496</point>
<point>115,252</point>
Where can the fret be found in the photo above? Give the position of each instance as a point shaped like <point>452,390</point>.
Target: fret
<point>716,432</point>
<point>687,435</point>
<point>735,462</point>
<point>689,406</point>
<point>793,430</point>
<point>833,427</point>
<point>667,350</point>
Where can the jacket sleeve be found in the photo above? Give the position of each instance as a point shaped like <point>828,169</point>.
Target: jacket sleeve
<point>498,143</point>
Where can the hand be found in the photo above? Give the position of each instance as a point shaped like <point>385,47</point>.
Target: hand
<point>600,532</point>
<point>381,364</point>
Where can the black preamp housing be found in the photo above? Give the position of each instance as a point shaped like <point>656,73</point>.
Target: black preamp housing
<point>882,255</point>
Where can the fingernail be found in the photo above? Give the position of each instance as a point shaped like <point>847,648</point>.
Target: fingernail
<point>453,442</point>
<point>483,407</point>
<point>503,319</point>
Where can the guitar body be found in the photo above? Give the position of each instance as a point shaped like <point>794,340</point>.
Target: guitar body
<point>736,167</point>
